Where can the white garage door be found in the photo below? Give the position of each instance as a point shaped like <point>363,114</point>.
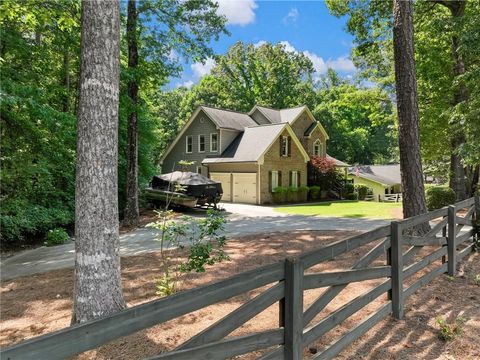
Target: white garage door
<point>245,188</point>
<point>225,179</point>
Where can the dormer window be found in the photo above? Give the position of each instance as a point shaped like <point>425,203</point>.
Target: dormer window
<point>317,148</point>
<point>189,144</point>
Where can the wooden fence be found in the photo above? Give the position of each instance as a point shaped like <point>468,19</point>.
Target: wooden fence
<point>298,327</point>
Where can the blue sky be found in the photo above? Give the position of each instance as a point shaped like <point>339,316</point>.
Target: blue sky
<point>304,26</point>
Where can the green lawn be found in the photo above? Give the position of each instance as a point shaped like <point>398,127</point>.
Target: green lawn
<point>346,208</point>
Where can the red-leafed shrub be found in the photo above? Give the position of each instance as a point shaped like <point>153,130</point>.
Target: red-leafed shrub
<point>323,165</point>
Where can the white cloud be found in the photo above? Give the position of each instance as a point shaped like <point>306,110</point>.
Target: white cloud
<point>201,69</point>
<point>188,84</point>
<point>288,47</point>
<point>341,63</point>
<point>291,17</point>
<point>259,43</point>
<point>317,61</point>
<point>237,12</point>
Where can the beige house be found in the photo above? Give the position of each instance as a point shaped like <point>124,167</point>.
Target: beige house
<point>249,153</point>
<point>383,180</point>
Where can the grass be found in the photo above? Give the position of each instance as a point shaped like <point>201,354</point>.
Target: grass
<point>346,208</point>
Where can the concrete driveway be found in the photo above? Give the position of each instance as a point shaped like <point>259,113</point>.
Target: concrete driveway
<point>242,220</point>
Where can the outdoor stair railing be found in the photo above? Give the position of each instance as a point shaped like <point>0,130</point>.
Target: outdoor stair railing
<point>298,327</point>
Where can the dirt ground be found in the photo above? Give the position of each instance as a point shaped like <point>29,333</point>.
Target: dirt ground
<point>34,305</point>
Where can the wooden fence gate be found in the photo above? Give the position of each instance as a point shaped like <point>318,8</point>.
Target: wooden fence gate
<point>406,255</point>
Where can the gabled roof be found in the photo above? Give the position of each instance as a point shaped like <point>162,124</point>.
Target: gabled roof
<point>253,143</point>
<point>383,174</point>
<point>338,163</point>
<point>228,119</point>
<point>279,116</point>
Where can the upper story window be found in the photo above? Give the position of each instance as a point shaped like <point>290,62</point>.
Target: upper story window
<point>213,142</point>
<point>189,144</point>
<point>285,146</point>
<point>201,143</point>
<point>317,148</point>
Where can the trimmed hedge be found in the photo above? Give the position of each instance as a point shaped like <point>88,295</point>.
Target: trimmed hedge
<point>439,196</point>
<point>314,192</point>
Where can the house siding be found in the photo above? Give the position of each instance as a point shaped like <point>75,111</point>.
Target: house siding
<point>273,161</point>
<point>233,167</point>
<point>300,126</point>
<point>201,125</point>
<point>226,136</point>
<point>378,189</point>
<point>310,141</point>
<point>259,117</point>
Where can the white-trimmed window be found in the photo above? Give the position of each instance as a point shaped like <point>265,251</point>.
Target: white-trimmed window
<point>274,180</point>
<point>201,143</point>
<point>317,148</point>
<point>189,144</point>
<point>294,179</point>
<point>284,146</point>
<point>213,142</point>
<point>199,170</point>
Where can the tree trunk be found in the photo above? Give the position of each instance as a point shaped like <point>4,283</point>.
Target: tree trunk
<point>407,107</point>
<point>131,213</point>
<point>98,287</point>
<point>457,170</point>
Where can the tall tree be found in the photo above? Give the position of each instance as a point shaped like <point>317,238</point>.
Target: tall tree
<point>131,213</point>
<point>407,108</point>
<point>98,287</point>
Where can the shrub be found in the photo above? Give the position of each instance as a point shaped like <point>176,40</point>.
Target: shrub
<point>439,196</point>
<point>351,196</point>
<point>450,331</point>
<point>56,236</point>
<point>21,222</point>
<point>292,193</point>
<point>314,192</point>
<point>361,190</point>
<point>279,194</point>
<point>302,193</point>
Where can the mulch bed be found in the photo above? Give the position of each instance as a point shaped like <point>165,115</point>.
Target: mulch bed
<point>38,304</point>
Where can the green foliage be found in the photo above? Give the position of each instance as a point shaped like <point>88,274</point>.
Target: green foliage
<point>359,121</point>
<point>204,240</point>
<point>22,223</point>
<point>246,75</point>
<point>56,236</point>
<point>439,196</point>
<point>40,65</point>
<point>292,194</point>
<point>314,192</point>
<point>279,194</point>
<point>361,190</point>
<point>449,331</point>
<point>351,196</point>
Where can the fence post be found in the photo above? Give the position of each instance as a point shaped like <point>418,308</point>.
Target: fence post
<point>396,260</point>
<point>293,316</point>
<point>452,233</point>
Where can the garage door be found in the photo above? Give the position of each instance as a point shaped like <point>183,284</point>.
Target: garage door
<point>245,188</point>
<point>225,179</point>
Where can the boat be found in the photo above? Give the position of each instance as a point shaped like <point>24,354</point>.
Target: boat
<point>184,188</point>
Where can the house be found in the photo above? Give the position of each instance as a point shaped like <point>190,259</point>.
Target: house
<point>249,153</point>
<point>381,179</point>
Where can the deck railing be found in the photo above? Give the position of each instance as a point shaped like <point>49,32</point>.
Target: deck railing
<point>406,255</point>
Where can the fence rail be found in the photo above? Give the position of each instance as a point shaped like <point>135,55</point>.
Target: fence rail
<point>287,280</point>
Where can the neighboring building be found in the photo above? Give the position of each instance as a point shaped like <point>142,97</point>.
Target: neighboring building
<point>250,154</point>
<point>382,179</point>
